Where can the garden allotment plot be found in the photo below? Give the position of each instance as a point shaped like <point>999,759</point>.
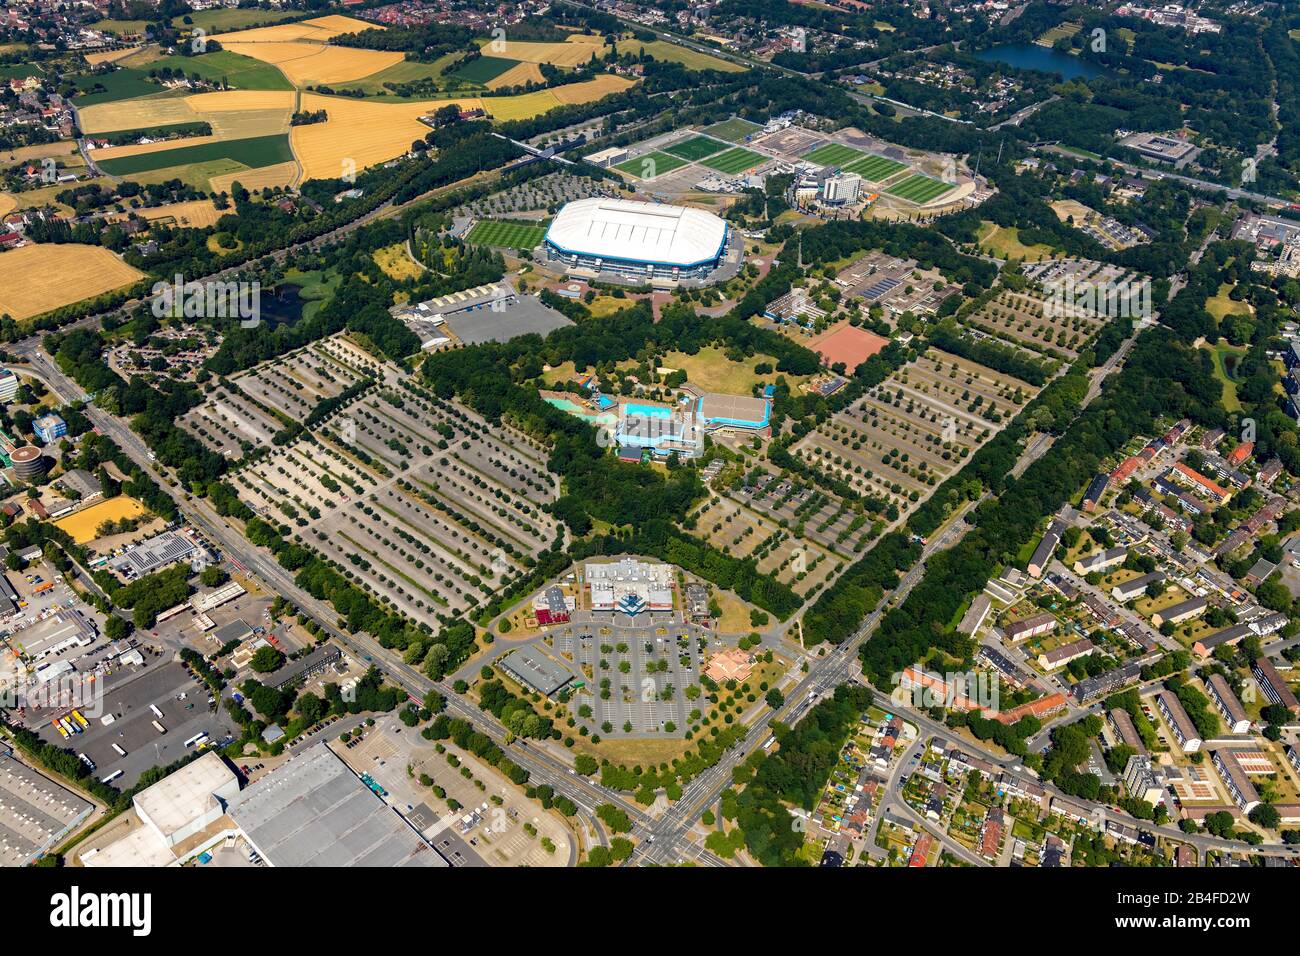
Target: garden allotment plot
<point>418,500</point>
<point>505,234</point>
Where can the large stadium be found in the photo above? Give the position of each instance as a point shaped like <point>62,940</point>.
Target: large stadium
<point>638,240</point>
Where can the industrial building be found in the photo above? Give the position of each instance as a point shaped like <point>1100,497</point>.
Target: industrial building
<point>35,812</point>
<point>53,635</point>
<point>154,554</point>
<point>313,810</point>
<point>636,239</point>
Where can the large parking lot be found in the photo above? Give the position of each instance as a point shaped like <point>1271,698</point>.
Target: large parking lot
<point>419,498</point>
<point>905,436</point>
<point>636,676</point>
<point>259,403</point>
<point>125,719</point>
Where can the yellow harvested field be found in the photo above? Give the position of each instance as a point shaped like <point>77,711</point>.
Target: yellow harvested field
<point>369,132</point>
<point>81,525</point>
<point>518,75</point>
<point>319,29</point>
<point>110,56</point>
<point>38,278</point>
<point>365,132</point>
<point>334,24</point>
<point>142,112</point>
<point>557,54</point>
<point>306,63</point>
<point>598,38</point>
<point>7,204</point>
<point>137,149</point>
<point>281,174</point>
<point>227,101</point>
<point>591,90</point>
<point>194,214</point>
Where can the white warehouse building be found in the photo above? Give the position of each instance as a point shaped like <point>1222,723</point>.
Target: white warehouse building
<point>637,239</point>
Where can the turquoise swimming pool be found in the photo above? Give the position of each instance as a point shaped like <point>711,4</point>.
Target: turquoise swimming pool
<point>572,408</point>
<point>647,411</point>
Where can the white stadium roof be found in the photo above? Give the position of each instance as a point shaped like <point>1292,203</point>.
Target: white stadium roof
<point>638,232</point>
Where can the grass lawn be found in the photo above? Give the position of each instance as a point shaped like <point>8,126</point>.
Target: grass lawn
<point>253,152</point>
<point>233,19</point>
<point>1225,359</point>
<point>19,71</point>
<point>239,71</point>
<point>734,130</point>
<point>651,165</point>
<point>1222,305</point>
<point>711,370</point>
<point>507,234</point>
<point>1004,242</point>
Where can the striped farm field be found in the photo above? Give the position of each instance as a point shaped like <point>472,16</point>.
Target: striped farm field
<point>482,70</point>
<point>651,165</point>
<point>518,75</point>
<point>695,148</point>
<point>919,189</point>
<point>834,154</point>
<point>253,152</point>
<point>557,54</point>
<point>507,234</point>
<point>875,168</point>
<point>735,160</point>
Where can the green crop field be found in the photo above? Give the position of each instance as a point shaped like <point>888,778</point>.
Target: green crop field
<point>483,69</point>
<point>695,148</point>
<point>833,154</point>
<point>119,85</point>
<point>253,152</point>
<point>735,160</point>
<point>239,71</point>
<point>875,168</point>
<point>507,234</point>
<point>19,71</point>
<point>919,189</point>
<point>234,18</point>
<point>651,165</point>
<point>733,130</point>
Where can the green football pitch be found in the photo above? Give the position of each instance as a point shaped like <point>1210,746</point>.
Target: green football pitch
<point>735,160</point>
<point>733,130</point>
<point>874,168</point>
<point>833,154</point>
<point>506,234</point>
<point>651,165</point>
<point>919,189</point>
<point>695,148</point>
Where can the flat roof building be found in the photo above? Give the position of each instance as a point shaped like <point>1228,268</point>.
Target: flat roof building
<point>733,411</point>
<point>535,669</point>
<point>53,635</point>
<point>154,554</point>
<point>1175,715</point>
<point>1228,704</point>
